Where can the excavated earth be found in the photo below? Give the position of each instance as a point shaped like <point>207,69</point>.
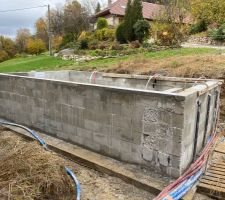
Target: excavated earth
<point>27,171</point>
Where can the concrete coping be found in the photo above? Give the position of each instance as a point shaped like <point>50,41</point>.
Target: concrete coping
<point>199,88</point>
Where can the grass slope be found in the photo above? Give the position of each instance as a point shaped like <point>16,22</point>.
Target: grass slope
<point>43,62</point>
<point>37,63</point>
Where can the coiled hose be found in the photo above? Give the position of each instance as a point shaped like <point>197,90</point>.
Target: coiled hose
<point>43,143</point>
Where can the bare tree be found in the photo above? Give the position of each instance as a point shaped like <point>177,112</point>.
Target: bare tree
<point>22,37</point>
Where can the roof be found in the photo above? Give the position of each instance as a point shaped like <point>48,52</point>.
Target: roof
<point>150,10</point>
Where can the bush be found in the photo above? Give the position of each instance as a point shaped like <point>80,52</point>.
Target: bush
<point>141,30</point>
<point>199,27</point>
<point>135,44</point>
<point>105,34</point>
<point>120,33</point>
<point>116,46</point>
<point>168,34</point>
<point>3,55</point>
<point>83,44</point>
<point>35,46</point>
<point>102,23</point>
<point>218,33</point>
<point>93,44</point>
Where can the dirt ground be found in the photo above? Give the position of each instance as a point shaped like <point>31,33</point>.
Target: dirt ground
<point>94,185</point>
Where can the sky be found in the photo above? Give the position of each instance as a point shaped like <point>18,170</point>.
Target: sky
<point>10,22</point>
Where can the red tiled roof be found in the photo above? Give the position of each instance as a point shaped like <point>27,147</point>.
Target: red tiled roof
<point>150,10</point>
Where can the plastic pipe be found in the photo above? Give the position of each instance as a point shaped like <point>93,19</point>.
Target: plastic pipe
<point>77,188</point>
<point>41,141</point>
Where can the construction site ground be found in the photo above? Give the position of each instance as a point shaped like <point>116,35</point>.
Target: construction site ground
<point>94,184</point>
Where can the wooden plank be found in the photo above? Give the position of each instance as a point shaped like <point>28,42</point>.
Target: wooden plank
<point>217,169</point>
<point>215,175</point>
<point>213,183</point>
<point>215,172</point>
<point>219,166</point>
<point>215,179</point>
<point>210,191</point>
<point>218,163</point>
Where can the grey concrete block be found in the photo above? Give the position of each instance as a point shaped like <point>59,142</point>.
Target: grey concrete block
<point>164,159</point>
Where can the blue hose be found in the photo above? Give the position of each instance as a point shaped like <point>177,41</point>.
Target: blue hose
<point>71,174</point>
<point>43,143</point>
<point>180,191</point>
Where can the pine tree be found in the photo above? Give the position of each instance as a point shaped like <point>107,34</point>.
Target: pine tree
<point>128,22</point>
<point>137,10</point>
<point>98,8</point>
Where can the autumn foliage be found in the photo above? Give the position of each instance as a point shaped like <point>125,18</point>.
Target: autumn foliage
<point>35,46</point>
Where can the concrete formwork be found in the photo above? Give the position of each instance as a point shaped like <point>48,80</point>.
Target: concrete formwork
<point>115,114</point>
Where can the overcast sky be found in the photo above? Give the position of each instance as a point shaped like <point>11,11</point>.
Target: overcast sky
<point>11,21</point>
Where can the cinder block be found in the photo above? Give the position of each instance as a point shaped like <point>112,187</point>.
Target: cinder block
<point>147,153</point>
<point>164,159</point>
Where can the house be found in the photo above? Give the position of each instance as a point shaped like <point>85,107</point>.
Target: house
<point>115,12</point>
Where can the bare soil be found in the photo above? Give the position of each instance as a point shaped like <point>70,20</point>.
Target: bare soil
<point>20,183</point>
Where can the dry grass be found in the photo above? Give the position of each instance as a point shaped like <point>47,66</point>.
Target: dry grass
<point>27,171</point>
<point>183,66</point>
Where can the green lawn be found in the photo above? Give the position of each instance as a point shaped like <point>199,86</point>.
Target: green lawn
<point>38,63</point>
<point>44,62</point>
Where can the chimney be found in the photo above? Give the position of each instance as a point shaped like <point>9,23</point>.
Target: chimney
<point>109,2</point>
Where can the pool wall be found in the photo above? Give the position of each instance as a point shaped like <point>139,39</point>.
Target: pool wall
<point>150,128</point>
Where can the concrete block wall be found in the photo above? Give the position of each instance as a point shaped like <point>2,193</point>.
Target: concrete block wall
<point>148,128</point>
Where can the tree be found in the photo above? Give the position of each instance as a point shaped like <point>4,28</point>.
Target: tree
<point>128,23</point>
<point>133,13</point>
<point>76,20</point>
<point>209,10</point>
<point>22,37</point>
<point>57,21</point>
<point>137,10</point>
<point>7,45</point>
<point>172,19</point>
<point>3,55</point>
<point>102,23</point>
<point>42,30</point>
<point>120,33</point>
<point>98,8</point>
<point>36,46</point>
<point>141,30</point>
<point>57,42</point>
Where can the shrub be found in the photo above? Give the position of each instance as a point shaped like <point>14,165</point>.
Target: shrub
<point>199,27</point>
<point>102,23</point>
<point>105,34</point>
<point>93,44</point>
<point>3,55</point>
<point>218,33</point>
<point>135,44</point>
<point>36,46</point>
<point>141,30</point>
<point>116,46</point>
<point>168,34</point>
<point>120,33</point>
<point>103,45</point>
<point>57,42</point>
<point>83,44</point>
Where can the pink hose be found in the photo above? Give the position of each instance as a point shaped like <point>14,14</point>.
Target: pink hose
<point>195,167</point>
